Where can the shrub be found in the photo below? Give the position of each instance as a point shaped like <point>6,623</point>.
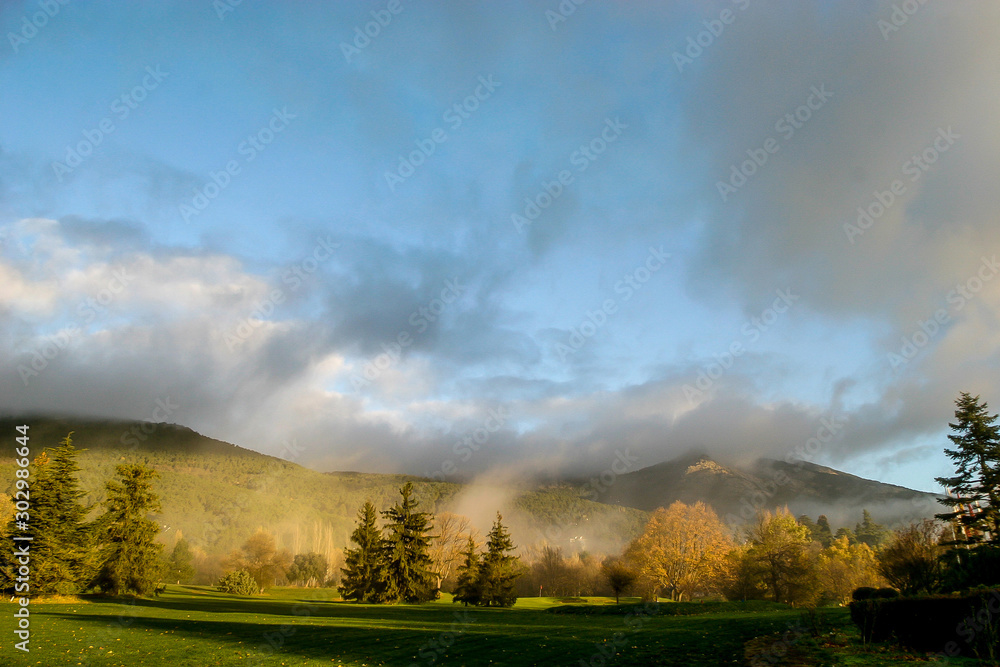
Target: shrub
<point>886,594</point>
<point>239,582</point>
<point>967,625</point>
<point>864,593</point>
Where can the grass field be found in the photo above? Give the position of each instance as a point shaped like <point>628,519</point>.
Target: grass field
<point>191,625</point>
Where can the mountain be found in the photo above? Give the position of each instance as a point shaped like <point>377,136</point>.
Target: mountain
<point>217,494</point>
<point>736,492</point>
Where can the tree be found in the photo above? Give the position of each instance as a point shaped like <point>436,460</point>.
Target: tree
<point>499,569</point>
<point>910,561</point>
<point>406,544</point>
<point>742,575</point>
<point>843,567</point>
<point>61,558</point>
<point>618,575</point>
<point>823,533</point>
<point>681,550</point>
<point>308,568</point>
<point>446,547</point>
<point>808,524</point>
<point>239,582</point>
<point>178,566</point>
<point>847,534</point>
<point>780,547</point>
<point>131,555</point>
<point>870,533</point>
<point>363,577</point>
<point>467,589</point>
<point>976,483</point>
<point>260,557</point>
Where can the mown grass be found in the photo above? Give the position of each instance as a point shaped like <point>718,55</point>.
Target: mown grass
<point>198,626</point>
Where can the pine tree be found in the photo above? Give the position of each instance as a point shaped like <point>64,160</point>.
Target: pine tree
<point>870,533</point>
<point>823,534</point>
<point>976,482</point>
<point>178,566</point>
<point>61,561</point>
<point>467,589</point>
<point>499,570</point>
<point>406,551</point>
<point>363,577</point>
<point>131,555</point>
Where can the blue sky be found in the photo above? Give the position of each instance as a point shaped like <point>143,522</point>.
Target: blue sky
<point>635,228</point>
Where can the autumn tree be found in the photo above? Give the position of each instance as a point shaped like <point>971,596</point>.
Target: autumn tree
<point>780,546</point>
<point>618,574</point>
<point>910,561</point>
<point>742,576</point>
<point>130,554</point>
<point>260,557</point>
<point>446,547</point>
<point>406,546</point>
<point>681,550</point>
<point>843,567</point>
<point>974,489</point>
<point>363,574</point>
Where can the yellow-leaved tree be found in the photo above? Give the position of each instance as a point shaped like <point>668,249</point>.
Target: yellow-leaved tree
<point>681,552</point>
<point>842,567</point>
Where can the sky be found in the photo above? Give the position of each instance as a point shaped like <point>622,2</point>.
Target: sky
<point>467,238</point>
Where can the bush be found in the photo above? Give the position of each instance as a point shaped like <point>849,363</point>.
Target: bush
<point>967,625</point>
<point>239,582</point>
<point>864,593</point>
<point>886,594</point>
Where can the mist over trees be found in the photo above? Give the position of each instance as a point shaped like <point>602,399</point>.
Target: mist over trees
<point>406,554</point>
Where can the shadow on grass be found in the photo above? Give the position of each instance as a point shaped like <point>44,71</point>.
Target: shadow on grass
<point>394,637</point>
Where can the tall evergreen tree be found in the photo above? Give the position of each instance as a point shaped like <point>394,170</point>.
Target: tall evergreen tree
<point>131,555</point>
<point>363,577</point>
<point>499,570</point>
<point>823,534</point>
<point>178,565</point>
<point>975,504</point>
<point>61,561</point>
<point>406,549</point>
<point>870,533</point>
<point>467,589</point>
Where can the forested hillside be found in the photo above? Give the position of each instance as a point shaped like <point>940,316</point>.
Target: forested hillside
<point>217,494</point>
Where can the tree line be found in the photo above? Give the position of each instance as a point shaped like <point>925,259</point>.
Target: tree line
<point>685,551</point>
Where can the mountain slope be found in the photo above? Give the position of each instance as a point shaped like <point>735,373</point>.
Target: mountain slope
<point>217,494</point>
<point>736,492</point>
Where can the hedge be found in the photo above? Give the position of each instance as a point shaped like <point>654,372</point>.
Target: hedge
<point>953,625</point>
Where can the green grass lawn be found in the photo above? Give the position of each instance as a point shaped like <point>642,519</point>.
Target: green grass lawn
<point>191,625</point>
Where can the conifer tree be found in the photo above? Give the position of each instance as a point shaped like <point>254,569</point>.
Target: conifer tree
<point>363,577</point>
<point>976,482</point>
<point>178,566</point>
<point>406,549</point>
<point>131,555</point>
<point>467,589</point>
<point>870,533</point>
<point>60,559</point>
<point>823,534</point>
<point>499,569</point>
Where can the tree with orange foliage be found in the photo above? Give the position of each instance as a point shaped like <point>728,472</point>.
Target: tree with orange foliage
<point>681,552</point>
